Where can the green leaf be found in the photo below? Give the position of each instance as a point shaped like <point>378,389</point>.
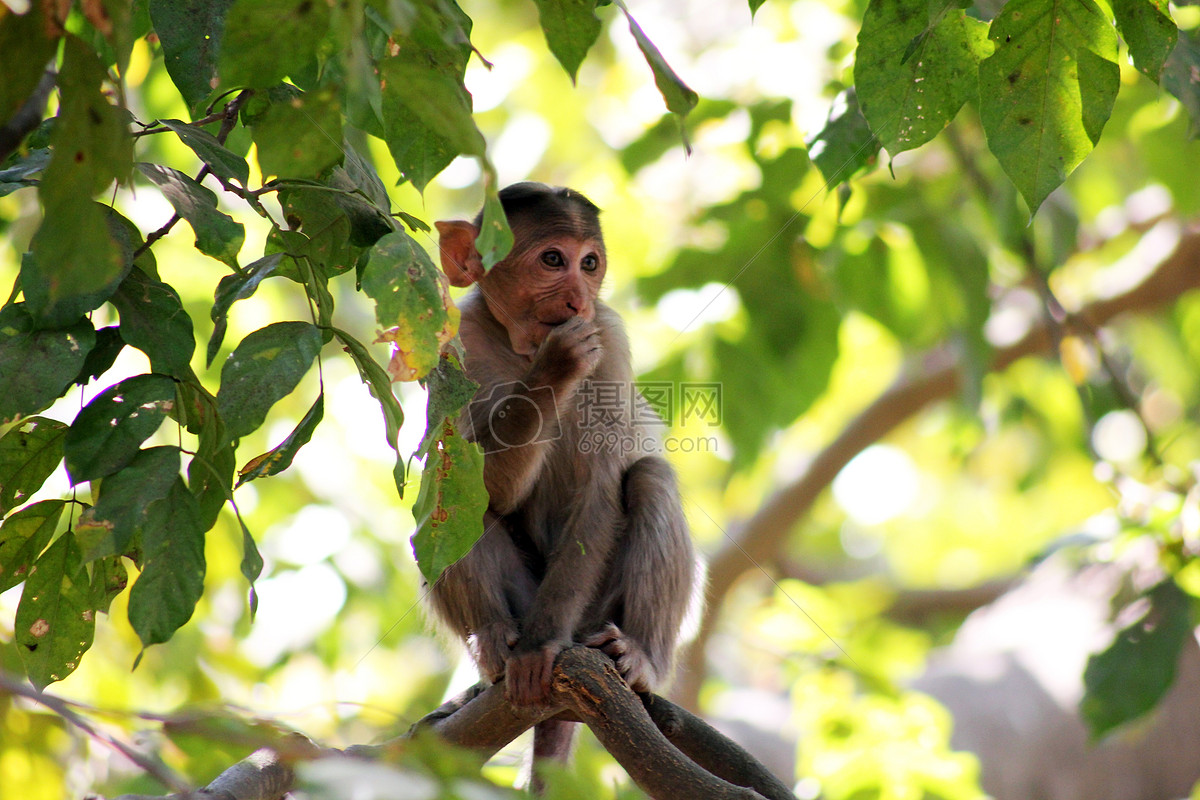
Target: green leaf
<point>845,145</point>
<point>28,454</point>
<point>363,198</point>
<point>108,431</point>
<point>109,579</point>
<point>380,386</point>
<point>1149,31</point>
<point>316,213</point>
<point>190,32</point>
<point>908,97</point>
<point>412,304</point>
<point>109,345</point>
<point>301,137</point>
<point>217,235</point>
<point>210,472</point>
<point>24,536</point>
<point>435,96</point>
<point>280,457</point>
<point>232,288</point>
<point>263,369</point>
<point>1132,675</point>
<point>27,43</point>
<point>16,175</point>
<point>154,321</point>
<point>36,367</point>
<point>222,162</point>
<point>419,151</point>
<point>113,526</point>
<point>268,40</point>
<point>495,238</point>
<point>449,391</point>
<point>172,578</point>
<point>571,28</point>
<point>450,506</point>
<point>1180,76</point>
<point>56,618</point>
<point>1047,90</point>
<point>74,262</point>
<point>679,97</point>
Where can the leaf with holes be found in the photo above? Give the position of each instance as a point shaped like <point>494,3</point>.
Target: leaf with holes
<point>56,618</point>
<point>449,508</point>
<point>23,537</point>
<point>1047,90</point>
<point>28,454</point>
<point>108,431</point>
<point>913,73</point>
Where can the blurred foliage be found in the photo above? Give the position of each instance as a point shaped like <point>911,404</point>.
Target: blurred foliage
<point>778,263</point>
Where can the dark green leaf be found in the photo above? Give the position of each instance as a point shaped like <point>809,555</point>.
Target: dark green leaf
<point>23,537</point>
<point>210,473</point>
<point>435,97</point>
<point>1181,76</point>
<point>268,40</point>
<point>112,526</point>
<point>845,145</point>
<point>419,151</point>
<point>36,367</point>
<point>108,431</point>
<point>1048,89</point>
<point>1132,675</point>
<point>109,345</point>
<point>190,32</point>
<point>217,235</point>
<point>449,391</point>
<point>17,175</point>
<point>172,577</point>
<point>380,385</point>
<point>154,321</point>
<point>909,97</point>
<point>232,288</point>
<point>363,198</point>
<point>26,45</point>
<point>264,368</point>
<point>280,457</point>
<point>300,138</point>
<point>221,161</point>
<point>412,304</point>
<point>571,28</point>
<point>1149,32</point>
<point>679,97</point>
<point>316,213</point>
<point>28,454</point>
<point>449,508</point>
<point>252,564</point>
<point>56,618</point>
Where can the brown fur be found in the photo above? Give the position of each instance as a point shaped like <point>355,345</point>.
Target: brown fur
<point>579,546</point>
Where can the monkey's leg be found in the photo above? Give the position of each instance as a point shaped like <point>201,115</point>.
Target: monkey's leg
<point>484,595</point>
<point>649,584</point>
<point>553,740</point>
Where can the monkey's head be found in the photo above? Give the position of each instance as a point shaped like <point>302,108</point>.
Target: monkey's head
<point>553,272</point>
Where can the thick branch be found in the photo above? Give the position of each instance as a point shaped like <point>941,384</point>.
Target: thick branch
<point>649,740</point>
<point>938,377</point>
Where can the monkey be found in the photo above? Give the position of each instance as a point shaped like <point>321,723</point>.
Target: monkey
<point>582,543</point>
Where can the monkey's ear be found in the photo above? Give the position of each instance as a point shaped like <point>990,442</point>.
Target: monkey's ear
<point>460,260</point>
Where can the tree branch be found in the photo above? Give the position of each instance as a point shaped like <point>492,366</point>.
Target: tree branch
<point>938,377</point>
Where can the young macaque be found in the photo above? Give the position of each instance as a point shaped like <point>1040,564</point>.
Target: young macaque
<point>584,538</point>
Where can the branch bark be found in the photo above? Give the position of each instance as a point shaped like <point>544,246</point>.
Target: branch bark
<point>667,751</point>
<point>938,376</point>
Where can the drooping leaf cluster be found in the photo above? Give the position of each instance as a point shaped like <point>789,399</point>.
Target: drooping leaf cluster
<point>299,80</point>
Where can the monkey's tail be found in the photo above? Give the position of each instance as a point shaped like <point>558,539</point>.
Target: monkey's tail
<point>553,740</point>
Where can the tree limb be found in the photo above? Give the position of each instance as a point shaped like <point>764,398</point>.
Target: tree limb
<point>938,377</point>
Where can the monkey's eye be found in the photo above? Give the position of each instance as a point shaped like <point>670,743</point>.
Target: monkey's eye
<point>590,263</point>
<point>553,258</point>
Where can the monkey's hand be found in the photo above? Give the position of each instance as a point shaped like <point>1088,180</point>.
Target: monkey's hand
<point>490,648</point>
<point>631,660</point>
<point>527,680</point>
<point>569,354</point>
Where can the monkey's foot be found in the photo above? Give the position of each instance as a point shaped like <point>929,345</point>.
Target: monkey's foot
<point>490,648</point>
<point>631,660</point>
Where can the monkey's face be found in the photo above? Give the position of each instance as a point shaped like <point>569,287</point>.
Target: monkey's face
<point>542,285</point>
